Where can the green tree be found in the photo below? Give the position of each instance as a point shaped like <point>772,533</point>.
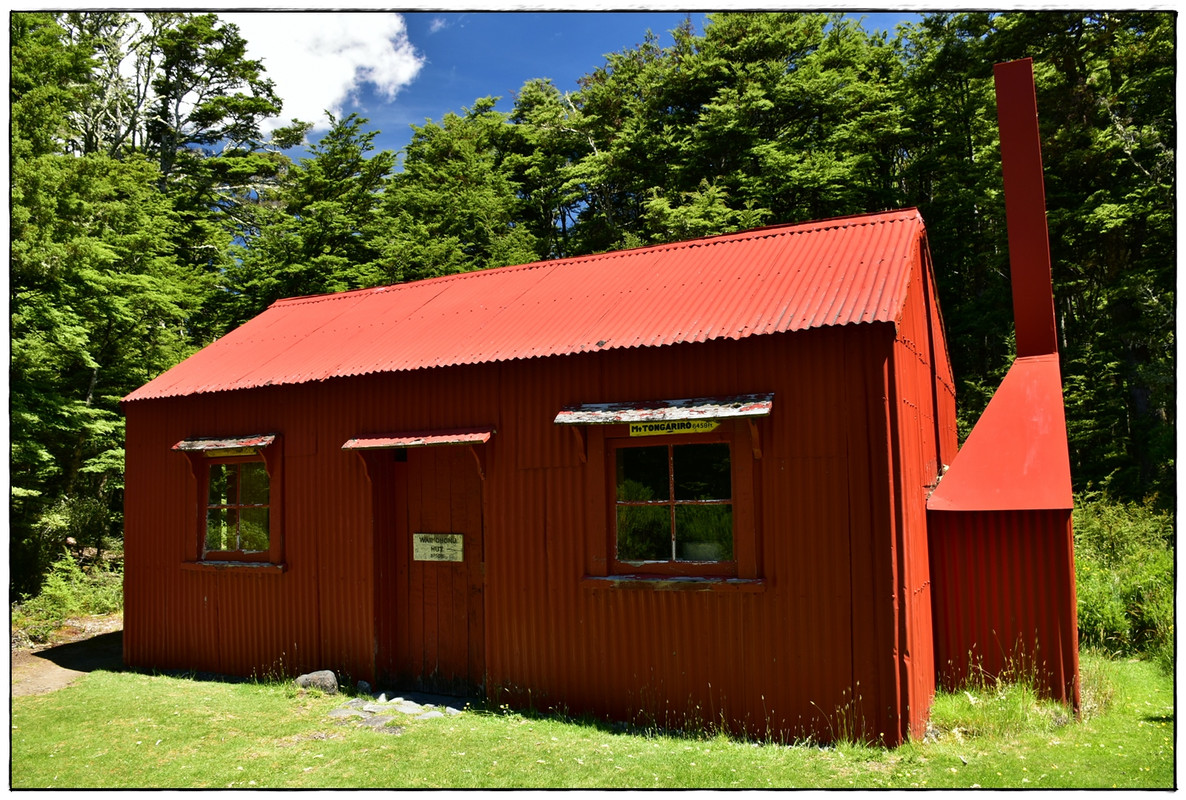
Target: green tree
<point>547,147</point>
<point>46,80</point>
<point>624,108</point>
<point>102,296</point>
<point>801,118</point>
<point>208,96</point>
<point>456,205</point>
<point>178,88</point>
<point>99,305</point>
<point>318,230</point>
<point>780,117</point>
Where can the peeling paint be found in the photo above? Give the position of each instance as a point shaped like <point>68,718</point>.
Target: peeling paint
<point>750,405</point>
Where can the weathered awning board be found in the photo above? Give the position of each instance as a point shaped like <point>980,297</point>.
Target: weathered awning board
<point>463,436</point>
<point>740,406</point>
<point>223,445</point>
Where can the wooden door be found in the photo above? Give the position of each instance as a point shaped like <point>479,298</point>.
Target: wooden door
<point>440,619</point>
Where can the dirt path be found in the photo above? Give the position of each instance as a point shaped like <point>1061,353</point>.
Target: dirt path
<point>89,645</point>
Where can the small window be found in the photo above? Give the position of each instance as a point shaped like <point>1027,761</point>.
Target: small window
<point>674,506</point>
<point>239,498</point>
<point>237,509</point>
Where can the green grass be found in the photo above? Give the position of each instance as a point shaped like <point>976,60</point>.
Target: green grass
<point>121,730</point>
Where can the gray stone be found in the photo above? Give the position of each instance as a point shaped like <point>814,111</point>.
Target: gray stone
<point>430,715</point>
<point>450,711</point>
<point>343,713</point>
<point>325,680</point>
<point>363,687</point>
<point>408,707</point>
<point>356,702</point>
<point>377,708</point>
<point>382,698</point>
<point>377,721</point>
<point>394,730</point>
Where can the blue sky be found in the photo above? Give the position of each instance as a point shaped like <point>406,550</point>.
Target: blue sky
<point>465,56</point>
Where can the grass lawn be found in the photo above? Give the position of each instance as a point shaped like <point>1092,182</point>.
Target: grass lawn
<point>129,730</point>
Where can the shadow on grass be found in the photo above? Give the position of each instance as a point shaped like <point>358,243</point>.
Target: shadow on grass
<point>102,652</point>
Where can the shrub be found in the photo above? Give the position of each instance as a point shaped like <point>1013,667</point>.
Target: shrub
<point>1124,571</point>
<point>69,591</point>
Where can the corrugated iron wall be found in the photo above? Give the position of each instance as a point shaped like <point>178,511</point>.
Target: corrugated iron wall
<point>922,422</point>
<point>814,651</point>
<point>1004,587</point>
<point>237,621</point>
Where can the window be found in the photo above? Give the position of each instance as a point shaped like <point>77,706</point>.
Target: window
<point>673,505</point>
<point>673,490</point>
<point>237,508</point>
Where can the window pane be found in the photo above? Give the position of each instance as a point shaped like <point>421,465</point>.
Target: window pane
<point>220,532</point>
<point>218,485</point>
<point>253,484</point>
<point>704,533</point>
<point>642,473</point>
<point>644,533</point>
<point>702,472</point>
<point>253,529</point>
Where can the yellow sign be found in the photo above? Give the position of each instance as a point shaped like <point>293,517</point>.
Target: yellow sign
<point>437,547</point>
<point>667,427</point>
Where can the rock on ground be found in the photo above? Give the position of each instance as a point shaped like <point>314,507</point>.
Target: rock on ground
<point>325,680</point>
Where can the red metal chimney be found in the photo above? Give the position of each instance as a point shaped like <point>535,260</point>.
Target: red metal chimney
<point>999,523</point>
<point>1025,209</point>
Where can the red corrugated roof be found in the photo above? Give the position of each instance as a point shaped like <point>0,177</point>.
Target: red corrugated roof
<point>834,272</point>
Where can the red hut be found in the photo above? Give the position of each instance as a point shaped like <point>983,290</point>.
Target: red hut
<point>684,483</point>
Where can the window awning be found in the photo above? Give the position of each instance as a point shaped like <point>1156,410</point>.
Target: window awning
<point>462,436</point>
<point>702,408</point>
<point>215,446</point>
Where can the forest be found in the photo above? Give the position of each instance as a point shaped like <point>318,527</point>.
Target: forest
<point>149,214</point>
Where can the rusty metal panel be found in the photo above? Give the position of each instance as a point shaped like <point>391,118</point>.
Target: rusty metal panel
<point>1004,598</point>
<point>837,272</point>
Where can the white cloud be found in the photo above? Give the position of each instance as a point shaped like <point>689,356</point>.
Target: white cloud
<point>320,61</point>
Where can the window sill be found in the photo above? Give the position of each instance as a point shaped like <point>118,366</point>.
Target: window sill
<point>679,583</point>
<point>255,567</point>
